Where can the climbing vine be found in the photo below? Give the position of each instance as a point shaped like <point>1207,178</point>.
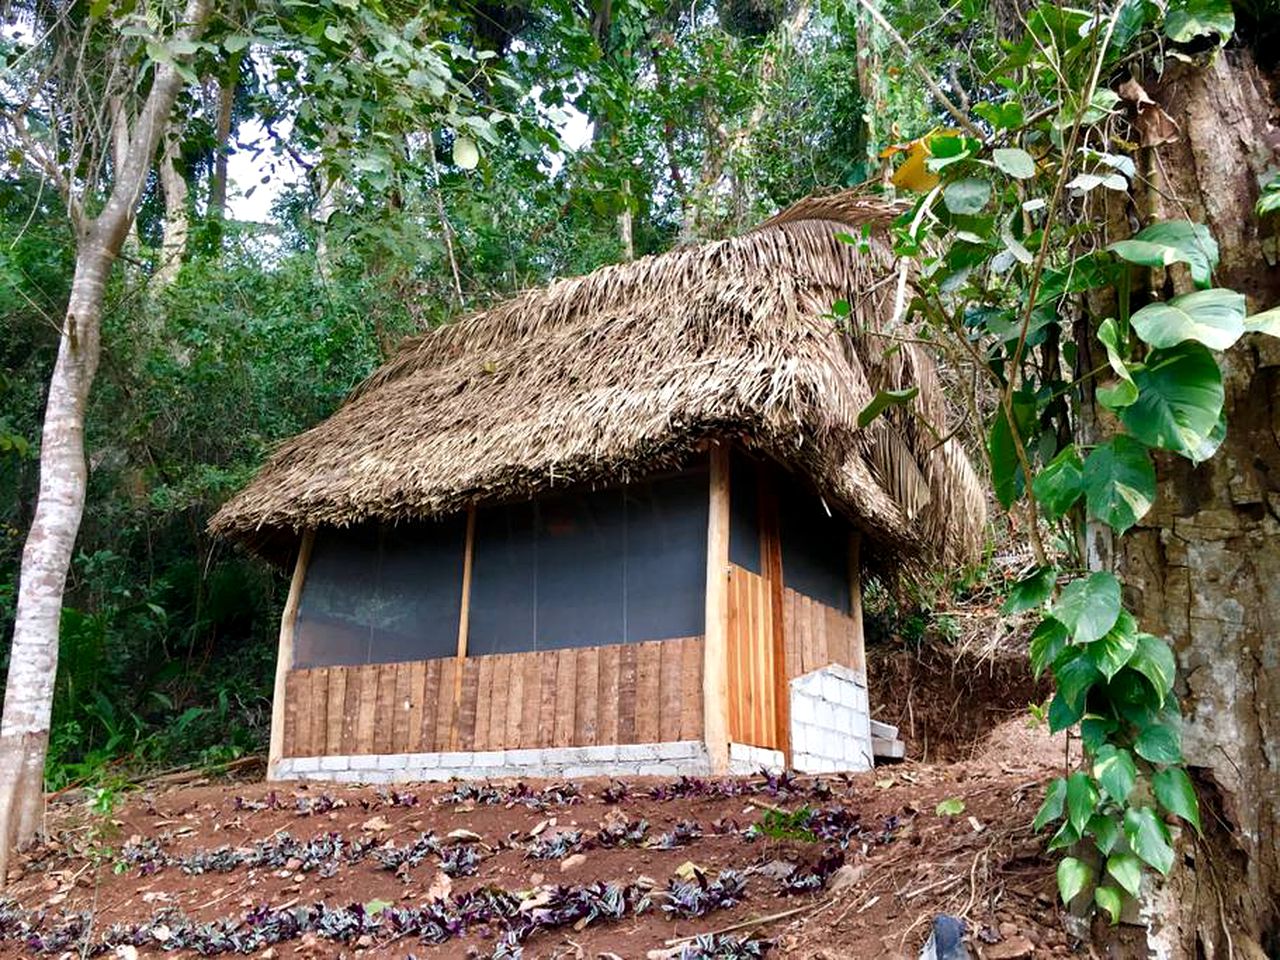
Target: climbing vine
<point>1009,237</point>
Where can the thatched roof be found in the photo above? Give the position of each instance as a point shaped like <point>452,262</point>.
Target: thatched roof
<point>633,368</point>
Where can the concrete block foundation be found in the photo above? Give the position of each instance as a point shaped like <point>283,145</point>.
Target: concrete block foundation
<point>683,757</point>
<point>831,721</point>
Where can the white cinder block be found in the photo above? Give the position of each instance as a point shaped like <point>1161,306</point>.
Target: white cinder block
<point>600,754</point>
<point>640,752</point>
<point>488,758</point>
<point>392,761</point>
<point>659,770</point>
<point>335,763</point>
<point>678,750</point>
<point>524,758</point>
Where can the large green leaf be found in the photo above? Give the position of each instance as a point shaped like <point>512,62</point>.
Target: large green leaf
<point>967,196</point>
<point>1119,482</point>
<point>1015,162</point>
<point>1212,317</point>
<point>1062,714</point>
<point>1185,20</point>
<point>1082,799</point>
<point>1148,837</point>
<point>1169,242</point>
<point>1006,472</point>
<point>1115,772</point>
<point>1031,591</point>
<point>1055,799</point>
<point>1113,651</point>
<point>1073,876</point>
<point>883,400</point>
<point>1048,640</point>
<point>1173,789</point>
<point>1268,321</point>
<point>1075,673</point>
<point>1123,391</point>
<point>1089,608</point>
<point>1105,830</point>
<point>1058,486</point>
<point>1179,401</point>
<point>1108,898</point>
<point>1153,658</point>
<point>1127,870</point>
<point>1159,743</point>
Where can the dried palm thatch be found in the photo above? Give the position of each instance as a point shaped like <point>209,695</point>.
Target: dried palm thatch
<point>632,369</point>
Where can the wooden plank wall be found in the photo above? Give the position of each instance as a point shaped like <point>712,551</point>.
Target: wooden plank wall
<point>816,635</point>
<point>623,693</point>
<point>752,706</point>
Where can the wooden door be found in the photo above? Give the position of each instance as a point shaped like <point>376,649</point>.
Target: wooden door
<point>758,690</point>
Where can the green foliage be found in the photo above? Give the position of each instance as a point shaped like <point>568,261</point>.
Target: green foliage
<point>781,825</point>
<point>1006,243</point>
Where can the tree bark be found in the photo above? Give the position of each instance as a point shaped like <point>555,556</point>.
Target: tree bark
<point>46,557</point>
<point>222,140</point>
<point>177,216</point>
<point>1203,567</point>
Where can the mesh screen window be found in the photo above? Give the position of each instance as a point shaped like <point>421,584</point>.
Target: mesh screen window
<point>382,596</point>
<point>591,568</point>
<point>815,546</point>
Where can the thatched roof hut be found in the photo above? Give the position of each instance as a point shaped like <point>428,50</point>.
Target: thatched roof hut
<point>617,524</point>
<point>630,369</point>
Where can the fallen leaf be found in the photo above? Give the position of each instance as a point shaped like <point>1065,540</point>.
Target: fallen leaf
<point>688,870</point>
<point>572,862</point>
<point>375,823</point>
<point>462,835</point>
<point>440,887</point>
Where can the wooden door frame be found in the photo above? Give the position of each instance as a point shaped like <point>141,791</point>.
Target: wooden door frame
<point>284,653</point>
<point>771,565</point>
<point>715,668</point>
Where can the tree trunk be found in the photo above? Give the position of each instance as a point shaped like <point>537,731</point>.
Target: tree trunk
<point>1203,568</point>
<point>177,216</point>
<point>46,556</point>
<point>222,140</point>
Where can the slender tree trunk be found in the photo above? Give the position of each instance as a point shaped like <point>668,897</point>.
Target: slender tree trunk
<point>177,215</point>
<point>46,557</point>
<point>1203,568</point>
<point>222,141</point>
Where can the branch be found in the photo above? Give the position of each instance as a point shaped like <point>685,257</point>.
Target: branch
<point>957,114</point>
<point>131,177</point>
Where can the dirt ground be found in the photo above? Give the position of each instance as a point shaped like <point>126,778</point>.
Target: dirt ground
<point>175,870</point>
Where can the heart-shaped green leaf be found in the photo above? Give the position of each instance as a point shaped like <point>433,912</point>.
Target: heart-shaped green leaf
<point>1179,401</point>
<point>1115,772</point>
<point>1149,838</point>
<point>1113,651</point>
<point>1058,486</point>
<point>1088,608</point>
<point>1015,162</point>
<point>1169,242</point>
<point>1119,482</point>
<point>1153,658</point>
<point>1212,317</point>
<point>1173,789</point>
<point>1073,876</point>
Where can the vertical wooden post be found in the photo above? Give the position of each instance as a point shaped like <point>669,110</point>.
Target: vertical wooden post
<point>715,674</point>
<point>284,653</point>
<point>464,623</point>
<point>858,650</point>
<point>771,557</point>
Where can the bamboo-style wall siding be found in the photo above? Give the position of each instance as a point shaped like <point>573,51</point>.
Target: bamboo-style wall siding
<point>817,635</point>
<point>623,693</point>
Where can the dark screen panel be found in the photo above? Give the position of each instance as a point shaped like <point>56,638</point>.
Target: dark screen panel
<point>582,541</point>
<point>815,546</point>
<point>334,625</point>
<point>419,591</point>
<point>667,558</point>
<point>744,513</point>
<point>504,576</point>
<point>385,596</point>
